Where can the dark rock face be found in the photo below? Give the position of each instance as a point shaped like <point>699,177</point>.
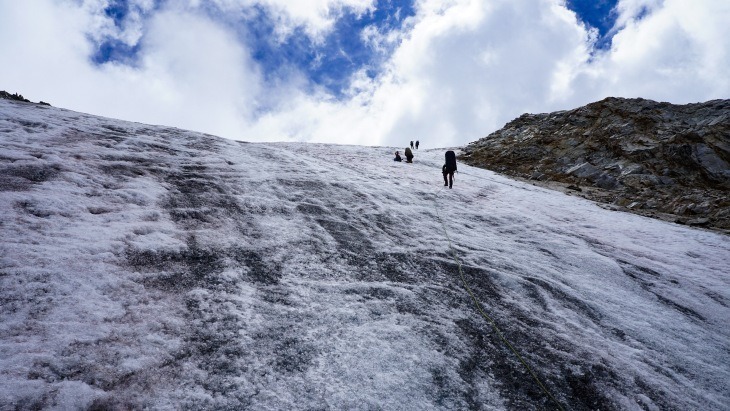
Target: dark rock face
<point>657,159</point>
<point>18,97</point>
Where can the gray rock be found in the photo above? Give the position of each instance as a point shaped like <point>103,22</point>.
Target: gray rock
<point>667,181</point>
<point>711,162</point>
<point>639,181</point>
<point>631,168</point>
<point>680,210</point>
<point>639,150</point>
<point>15,96</point>
<point>606,181</point>
<point>703,208</point>
<point>698,221</point>
<point>536,175</point>
<point>718,120</point>
<point>585,170</point>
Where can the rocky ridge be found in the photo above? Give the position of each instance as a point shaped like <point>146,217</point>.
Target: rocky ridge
<point>656,159</point>
<point>18,97</point>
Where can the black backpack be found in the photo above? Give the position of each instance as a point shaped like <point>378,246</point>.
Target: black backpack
<point>450,161</point>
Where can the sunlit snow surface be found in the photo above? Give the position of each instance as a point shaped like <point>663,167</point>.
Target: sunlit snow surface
<point>150,267</point>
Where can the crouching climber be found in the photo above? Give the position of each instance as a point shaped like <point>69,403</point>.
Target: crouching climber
<point>409,155</point>
<point>397,157</point>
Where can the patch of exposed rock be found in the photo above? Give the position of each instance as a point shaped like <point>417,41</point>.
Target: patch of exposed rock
<point>658,159</point>
<point>18,97</point>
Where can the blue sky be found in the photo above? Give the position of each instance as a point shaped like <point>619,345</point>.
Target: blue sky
<point>327,62</point>
<point>597,13</point>
<point>331,61</point>
<point>369,72</point>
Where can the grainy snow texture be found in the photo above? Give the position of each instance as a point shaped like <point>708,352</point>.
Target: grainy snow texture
<point>150,267</point>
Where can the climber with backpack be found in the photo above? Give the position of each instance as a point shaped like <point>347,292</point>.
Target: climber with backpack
<point>409,155</point>
<point>449,168</point>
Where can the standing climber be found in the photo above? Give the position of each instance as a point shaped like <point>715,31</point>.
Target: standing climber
<point>409,155</point>
<point>449,168</point>
<point>411,144</point>
<point>416,144</point>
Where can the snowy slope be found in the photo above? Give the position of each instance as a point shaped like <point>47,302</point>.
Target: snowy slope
<point>150,267</point>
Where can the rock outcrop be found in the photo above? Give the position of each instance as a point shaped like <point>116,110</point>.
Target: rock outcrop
<point>18,97</point>
<point>658,159</point>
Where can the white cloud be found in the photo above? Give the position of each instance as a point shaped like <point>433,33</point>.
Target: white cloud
<point>316,17</point>
<point>194,70</point>
<point>464,68</point>
<point>42,48</point>
<point>460,69</point>
<point>440,88</point>
<point>102,26</point>
<point>192,73</point>
<point>678,52</point>
<point>474,63</point>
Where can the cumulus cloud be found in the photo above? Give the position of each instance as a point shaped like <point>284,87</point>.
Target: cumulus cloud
<point>676,52</point>
<point>191,74</point>
<point>475,62</point>
<point>316,17</point>
<point>454,71</point>
<point>461,70</point>
<point>464,68</point>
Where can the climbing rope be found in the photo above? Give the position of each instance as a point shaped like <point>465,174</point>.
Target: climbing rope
<point>485,315</point>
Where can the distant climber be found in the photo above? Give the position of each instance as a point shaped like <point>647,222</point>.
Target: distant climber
<point>411,144</point>
<point>409,155</point>
<point>449,168</point>
<point>416,144</point>
<point>397,157</point>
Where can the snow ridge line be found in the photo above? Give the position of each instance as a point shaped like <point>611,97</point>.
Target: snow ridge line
<point>485,315</point>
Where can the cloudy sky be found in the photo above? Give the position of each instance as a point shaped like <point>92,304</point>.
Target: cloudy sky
<point>370,72</point>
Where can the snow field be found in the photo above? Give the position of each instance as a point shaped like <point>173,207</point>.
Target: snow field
<point>144,266</point>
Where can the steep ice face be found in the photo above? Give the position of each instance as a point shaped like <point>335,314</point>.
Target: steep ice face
<point>144,266</point>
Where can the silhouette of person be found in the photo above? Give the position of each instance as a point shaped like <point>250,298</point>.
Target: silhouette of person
<point>449,168</point>
<point>450,174</point>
